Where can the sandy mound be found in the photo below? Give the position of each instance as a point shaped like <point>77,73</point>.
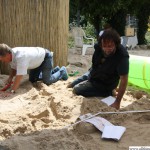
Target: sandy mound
<point>40,117</point>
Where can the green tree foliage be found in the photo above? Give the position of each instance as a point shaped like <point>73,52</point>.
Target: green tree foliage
<point>95,10</point>
<point>72,11</point>
<point>141,9</point>
<point>114,12</point>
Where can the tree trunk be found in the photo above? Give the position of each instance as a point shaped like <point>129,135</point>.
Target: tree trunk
<point>96,23</point>
<point>143,16</point>
<point>118,22</point>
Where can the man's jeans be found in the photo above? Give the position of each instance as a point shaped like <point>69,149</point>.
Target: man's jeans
<point>46,69</point>
<point>86,89</point>
<point>81,79</point>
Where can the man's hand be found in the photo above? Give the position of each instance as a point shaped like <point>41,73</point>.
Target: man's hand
<point>120,91</point>
<point>7,86</point>
<point>5,94</point>
<point>116,105</point>
<point>8,81</point>
<point>69,85</point>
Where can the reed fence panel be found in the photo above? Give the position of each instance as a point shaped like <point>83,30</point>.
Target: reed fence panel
<point>41,23</point>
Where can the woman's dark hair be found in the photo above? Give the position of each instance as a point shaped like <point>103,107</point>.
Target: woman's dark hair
<point>4,49</point>
<point>110,35</point>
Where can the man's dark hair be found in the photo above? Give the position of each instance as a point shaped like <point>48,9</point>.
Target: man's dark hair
<point>4,49</point>
<point>110,35</point>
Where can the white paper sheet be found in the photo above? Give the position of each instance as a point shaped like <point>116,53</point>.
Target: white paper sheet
<point>113,132</point>
<point>109,100</point>
<point>99,123</point>
<point>108,129</point>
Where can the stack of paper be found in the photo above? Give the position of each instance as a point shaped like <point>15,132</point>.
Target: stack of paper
<point>108,129</point>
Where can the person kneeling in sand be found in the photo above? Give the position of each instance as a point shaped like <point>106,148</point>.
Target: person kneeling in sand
<point>110,67</point>
<point>39,60</point>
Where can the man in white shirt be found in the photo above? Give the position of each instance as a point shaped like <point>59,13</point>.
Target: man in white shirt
<point>37,59</point>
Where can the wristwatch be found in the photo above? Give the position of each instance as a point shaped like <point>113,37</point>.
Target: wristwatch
<point>12,91</point>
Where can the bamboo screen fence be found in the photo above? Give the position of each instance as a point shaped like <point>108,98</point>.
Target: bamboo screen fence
<point>41,23</point>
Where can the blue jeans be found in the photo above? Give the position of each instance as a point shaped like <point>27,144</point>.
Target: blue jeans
<point>81,79</point>
<point>46,69</point>
<point>85,88</point>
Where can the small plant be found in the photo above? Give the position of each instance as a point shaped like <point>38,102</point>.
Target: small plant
<point>70,42</point>
<point>89,31</point>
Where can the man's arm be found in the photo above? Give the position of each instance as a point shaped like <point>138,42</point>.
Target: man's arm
<point>12,74</point>
<point>13,88</point>
<point>17,82</point>
<point>121,91</point>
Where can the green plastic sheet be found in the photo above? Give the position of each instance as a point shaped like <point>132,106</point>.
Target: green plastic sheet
<point>139,71</point>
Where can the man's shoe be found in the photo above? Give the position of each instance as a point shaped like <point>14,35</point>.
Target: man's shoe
<point>63,70</point>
